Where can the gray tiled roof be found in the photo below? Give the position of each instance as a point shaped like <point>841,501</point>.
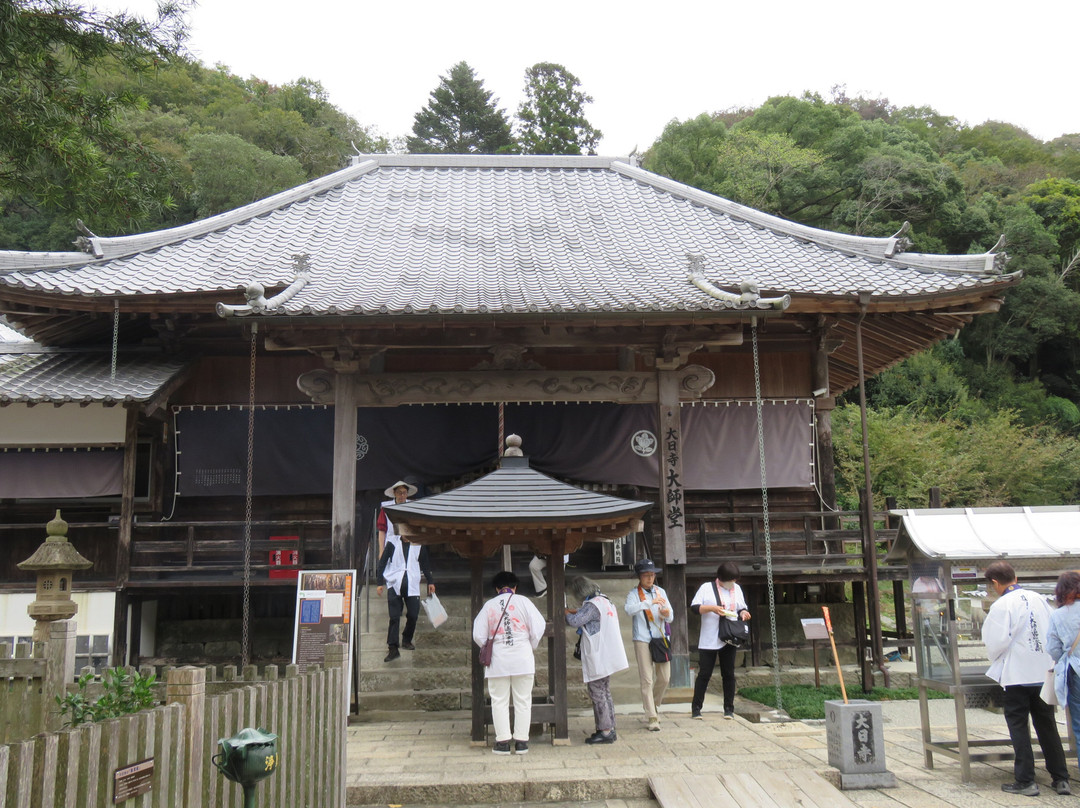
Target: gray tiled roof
<point>515,493</point>
<point>58,378</point>
<point>452,234</point>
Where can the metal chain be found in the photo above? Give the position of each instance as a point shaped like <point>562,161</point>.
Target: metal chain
<point>245,642</point>
<point>115,338</point>
<point>765,518</point>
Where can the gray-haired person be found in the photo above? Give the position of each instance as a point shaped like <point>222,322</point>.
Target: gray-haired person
<point>602,653</point>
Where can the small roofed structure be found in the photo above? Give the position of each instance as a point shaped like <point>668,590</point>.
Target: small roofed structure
<point>516,505</point>
<point>944,547</point>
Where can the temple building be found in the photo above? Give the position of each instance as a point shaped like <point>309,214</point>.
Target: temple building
<point>245,386</point>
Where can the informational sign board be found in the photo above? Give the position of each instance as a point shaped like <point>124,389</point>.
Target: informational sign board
<point>325,607</point>
<point>133,780</point>
<point>814,628</point>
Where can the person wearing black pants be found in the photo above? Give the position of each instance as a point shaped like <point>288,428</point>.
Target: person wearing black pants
<point>721,599</point>
<point>400,565</point>
<point>1015,633</point>
<point>1019,702</point>
<point>707,659</point>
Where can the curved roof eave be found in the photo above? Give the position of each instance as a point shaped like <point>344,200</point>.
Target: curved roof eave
<point>108,247</point>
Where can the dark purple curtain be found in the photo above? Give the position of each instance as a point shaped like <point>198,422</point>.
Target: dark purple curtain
<point>609,443</point>
<point>60,475</point>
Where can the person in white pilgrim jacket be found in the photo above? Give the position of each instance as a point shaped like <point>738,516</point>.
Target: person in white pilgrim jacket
<point>517,627</point>
<point>1015,634</point>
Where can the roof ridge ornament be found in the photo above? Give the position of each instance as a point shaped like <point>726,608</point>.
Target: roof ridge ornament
<point>899,242</point>
<point>258,303</point>
<point>997,258</point>
<point>749,296</point>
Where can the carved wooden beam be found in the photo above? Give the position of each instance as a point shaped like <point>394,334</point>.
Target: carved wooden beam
<point>482,387</point>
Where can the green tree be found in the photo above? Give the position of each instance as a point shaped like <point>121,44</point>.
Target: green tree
<point>759,169</point>
<point>229,172</point>
<point>60,147</point>
<point>461,117</point>
<point>551,119</point>
<point>688,151</point>
<point>991,461</point>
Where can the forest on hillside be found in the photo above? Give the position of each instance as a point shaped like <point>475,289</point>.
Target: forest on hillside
<point>104,119</point>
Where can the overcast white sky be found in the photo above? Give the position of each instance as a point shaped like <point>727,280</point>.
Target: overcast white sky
<point>646,64</point>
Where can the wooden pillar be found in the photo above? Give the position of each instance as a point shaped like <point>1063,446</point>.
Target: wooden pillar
<point>557,642</point>
<point>120,629</point>
<point>858,598</point>
<point>824,404</point>
<point>673,519</point>
<point>127,498</point>
<point>344,496</point>
<point>476,593</point>
<point>123,539</point>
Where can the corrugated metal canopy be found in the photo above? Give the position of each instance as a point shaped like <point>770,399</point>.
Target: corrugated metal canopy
<point>987,533</point>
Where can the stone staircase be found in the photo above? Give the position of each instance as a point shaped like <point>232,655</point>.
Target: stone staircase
<point>436,676</point>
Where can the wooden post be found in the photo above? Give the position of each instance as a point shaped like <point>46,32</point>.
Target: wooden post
<point>127,498</point>
<point>187,686</point>
<point>824,404</point>
<point>476,592</point>
<point>120,628</point>
<point>59,669</point>
<point>123,539</point>
<point>557,643</point>
<point>673,519</point>
<point>344,496</point>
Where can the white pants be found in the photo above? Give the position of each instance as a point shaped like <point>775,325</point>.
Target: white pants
<point>500,688</point>
<point>536,570</point>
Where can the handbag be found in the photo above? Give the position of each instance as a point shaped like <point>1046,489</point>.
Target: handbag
<point>1048,693</point>
<point>659,650</point>
<point>434,609</point>
<point>731,632</point>
<point>489,646</point>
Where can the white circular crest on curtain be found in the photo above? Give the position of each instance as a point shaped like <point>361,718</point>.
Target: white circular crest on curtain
<point>643,443</point>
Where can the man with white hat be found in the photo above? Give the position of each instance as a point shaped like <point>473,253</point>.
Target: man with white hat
<point>400,566</point>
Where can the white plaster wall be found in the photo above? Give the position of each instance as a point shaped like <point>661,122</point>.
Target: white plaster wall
<point>66,425</point>
<point>95,615</point>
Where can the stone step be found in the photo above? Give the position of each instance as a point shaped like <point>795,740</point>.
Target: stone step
<point>421,703</point>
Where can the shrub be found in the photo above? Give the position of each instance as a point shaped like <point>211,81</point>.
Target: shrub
<point>123,693</point>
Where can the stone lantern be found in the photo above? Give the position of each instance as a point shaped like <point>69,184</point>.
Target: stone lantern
<point>55,562</point>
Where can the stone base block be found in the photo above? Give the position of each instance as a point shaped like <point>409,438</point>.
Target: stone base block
<point>850,782</point>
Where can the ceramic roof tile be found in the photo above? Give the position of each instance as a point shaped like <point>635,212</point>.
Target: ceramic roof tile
<point>57,378</point>
<point>498,234</point>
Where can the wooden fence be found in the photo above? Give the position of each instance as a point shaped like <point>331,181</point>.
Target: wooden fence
<point>78,766</point>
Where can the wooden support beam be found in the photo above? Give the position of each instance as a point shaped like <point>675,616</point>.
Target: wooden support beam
<point>343,509</point>
<point>673,519</point>
<point>476,589</point>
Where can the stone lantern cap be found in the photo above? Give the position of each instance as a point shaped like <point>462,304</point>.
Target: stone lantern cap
<point>56,553</point>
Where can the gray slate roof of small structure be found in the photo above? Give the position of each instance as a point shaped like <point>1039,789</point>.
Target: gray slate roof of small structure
<point>516,493</point>
<point>60,378</point>
<point>462,234</point>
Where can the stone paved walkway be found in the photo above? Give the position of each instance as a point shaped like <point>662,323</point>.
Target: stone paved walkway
<point>431,763</point>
